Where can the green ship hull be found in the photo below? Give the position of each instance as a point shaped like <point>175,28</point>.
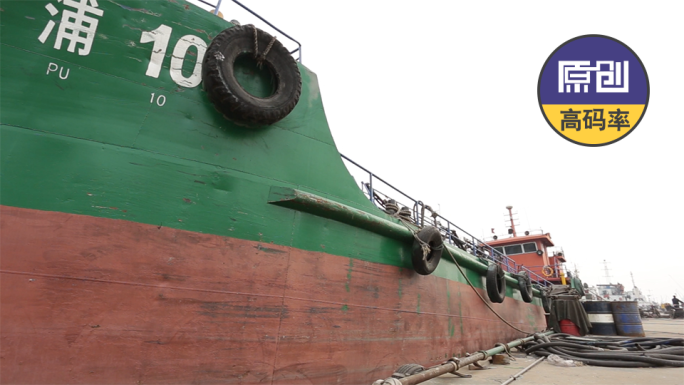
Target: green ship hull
<point>145,237</point>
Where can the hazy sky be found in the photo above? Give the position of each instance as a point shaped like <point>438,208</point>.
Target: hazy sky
<point>440,99</point>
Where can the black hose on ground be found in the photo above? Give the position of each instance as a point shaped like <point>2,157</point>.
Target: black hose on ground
<point>677,362</point>
<point>608,363</point>
<point>566,344</point>
<point>625,352</point>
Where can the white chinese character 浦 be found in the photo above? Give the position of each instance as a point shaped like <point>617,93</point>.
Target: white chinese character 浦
<point>75,26</point>
<point>578,73</point>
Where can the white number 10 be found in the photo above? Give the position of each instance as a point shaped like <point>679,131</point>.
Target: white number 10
<point>161,37</point>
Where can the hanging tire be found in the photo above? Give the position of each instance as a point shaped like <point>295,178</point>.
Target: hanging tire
<point>525,285</point>
<point>432,237</point>
<point>496,283</point>
<point>226,93</point>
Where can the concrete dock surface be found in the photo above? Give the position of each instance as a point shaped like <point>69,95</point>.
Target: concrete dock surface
<point>547,374</point>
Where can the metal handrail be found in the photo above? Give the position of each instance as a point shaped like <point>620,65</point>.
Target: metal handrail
<point>299,46</point>
<point>531,232</point>
<point>216,6</point>
<point>471,244</point>
<point>216,10</point>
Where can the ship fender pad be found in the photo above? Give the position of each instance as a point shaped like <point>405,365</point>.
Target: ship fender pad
<point>496,283</point>
<point>225,92</point>
<point>425,264</point>
<point>525,285</point>
<point>407,370</point>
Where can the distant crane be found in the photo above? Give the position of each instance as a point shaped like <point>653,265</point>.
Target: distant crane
<point>632,275</point>
<point>607,272</point>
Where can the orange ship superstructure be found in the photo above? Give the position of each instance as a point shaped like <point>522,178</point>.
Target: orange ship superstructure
<point>532,251</point>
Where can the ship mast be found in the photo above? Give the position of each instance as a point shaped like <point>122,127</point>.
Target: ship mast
<point>510,214</point>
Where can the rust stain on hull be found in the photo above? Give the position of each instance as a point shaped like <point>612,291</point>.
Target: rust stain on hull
<point>173,306</point>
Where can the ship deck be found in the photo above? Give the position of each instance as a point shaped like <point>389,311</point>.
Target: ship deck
<point>547,374</point>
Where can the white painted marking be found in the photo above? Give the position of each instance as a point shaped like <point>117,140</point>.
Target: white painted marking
<point>52,9</point>
<point>51,68</point>
<point>46,32</point>
<point>178,57</point>
<point>65,76</point>
<point>160,37</point>
<point>78,25</point>
<point>161,99</point>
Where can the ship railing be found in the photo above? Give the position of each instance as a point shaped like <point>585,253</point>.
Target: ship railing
<point>423,215</point>
<point>500,236</point>
<point>216,7</point>
<point>555,269</point>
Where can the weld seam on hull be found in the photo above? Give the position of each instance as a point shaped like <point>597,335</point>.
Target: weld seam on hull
<point>240,293</point>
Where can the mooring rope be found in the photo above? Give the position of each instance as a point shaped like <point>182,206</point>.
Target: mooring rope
<point>478,294</point>
<point>423,245</point>
<point>393,209</point>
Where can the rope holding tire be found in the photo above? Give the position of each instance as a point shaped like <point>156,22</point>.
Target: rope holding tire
<point>525,286</point>
<point>261,56</point>
<point>226,93</point>
<point>427,250</point>
<point>496,283</point>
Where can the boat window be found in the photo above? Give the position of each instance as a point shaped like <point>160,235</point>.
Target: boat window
<point>530,247</point>
<point>514,249</point>
<point>518,249</point>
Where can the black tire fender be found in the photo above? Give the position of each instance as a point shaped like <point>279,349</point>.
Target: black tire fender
<point>496,283</point>
<point>546,303</point>
<point>525,285</point>
<point>432,237</point>
<point>229,97</point>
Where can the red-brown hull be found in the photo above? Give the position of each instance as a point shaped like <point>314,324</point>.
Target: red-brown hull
<point>99,301</point>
